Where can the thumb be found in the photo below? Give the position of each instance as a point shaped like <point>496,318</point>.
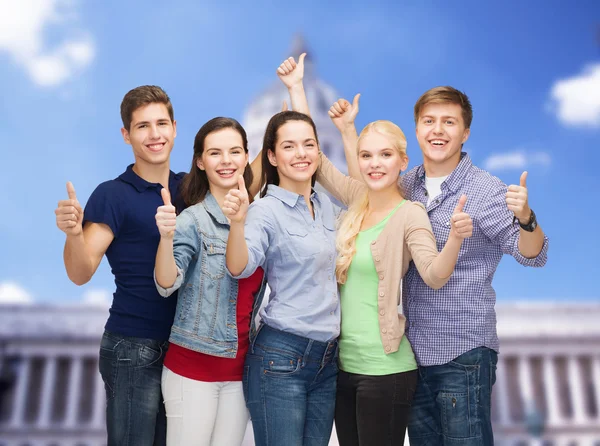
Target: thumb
<point>71,191</point>
<point>241,183</point>
<point>461,204</point>
<point>301,59</point>
<point>355,101</point>
<point>523,179</point>
<point>284,106</point>
<point>166,196</point>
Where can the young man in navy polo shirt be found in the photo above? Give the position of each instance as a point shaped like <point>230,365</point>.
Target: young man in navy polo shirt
<point>119,221</point>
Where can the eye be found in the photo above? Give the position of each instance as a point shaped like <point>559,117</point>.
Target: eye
<point>428,121</point>
<point>365,155</point>
<point>387,154</point>
<point>142,126</point>
<point>287,147</point>
<point>236,152</point>
<point>449,122</point>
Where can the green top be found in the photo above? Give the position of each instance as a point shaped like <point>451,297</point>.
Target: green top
<point>361,349</point>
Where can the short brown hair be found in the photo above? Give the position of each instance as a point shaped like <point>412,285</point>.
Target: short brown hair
<point>140,96</point>
<point>446,95</point>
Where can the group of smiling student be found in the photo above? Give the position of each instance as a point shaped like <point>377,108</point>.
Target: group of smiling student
<point>380,316</point>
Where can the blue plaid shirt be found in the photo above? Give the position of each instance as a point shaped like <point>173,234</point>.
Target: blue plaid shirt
<point>443,324</point>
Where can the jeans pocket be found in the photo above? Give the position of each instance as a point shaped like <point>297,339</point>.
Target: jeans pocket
<point>108,367</point>
<point>280,363</point>
<point>456,417</point>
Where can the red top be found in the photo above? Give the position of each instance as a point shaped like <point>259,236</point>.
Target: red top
<point>203,367</point>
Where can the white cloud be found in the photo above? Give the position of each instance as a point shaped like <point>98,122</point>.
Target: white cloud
<point>517,160</point>
<point>22,35</point>
<point>97,297</point>
<point>13,293</point>
<point>576,100</point>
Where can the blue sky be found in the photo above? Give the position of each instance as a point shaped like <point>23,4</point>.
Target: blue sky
<point>532,72</point>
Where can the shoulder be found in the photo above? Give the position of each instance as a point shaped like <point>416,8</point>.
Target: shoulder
<point>409,177</point>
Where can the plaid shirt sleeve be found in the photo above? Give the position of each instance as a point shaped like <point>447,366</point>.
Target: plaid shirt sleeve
<point>496,222</point>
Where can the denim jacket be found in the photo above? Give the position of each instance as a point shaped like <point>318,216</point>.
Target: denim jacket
<point>205,319</point>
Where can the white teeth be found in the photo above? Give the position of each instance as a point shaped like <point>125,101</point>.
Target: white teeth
<point>300,165</point>
<point>155,146</point>
<point>225,172</point>
<point>376,175</point>
<point>438,142</point>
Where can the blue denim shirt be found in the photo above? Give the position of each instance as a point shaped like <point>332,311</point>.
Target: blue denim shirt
<point>205,318</point>
<point>298,256</point>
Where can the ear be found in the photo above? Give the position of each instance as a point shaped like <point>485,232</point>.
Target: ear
<point>200,164</point>
<point>272,159</point>
<point>466,135</point>
<point>247,158</point>
<point>125,134</point>
<point>174,128</point>
<point>404,164</point>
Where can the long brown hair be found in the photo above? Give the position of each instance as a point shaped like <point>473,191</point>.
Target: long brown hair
<point>195,185</point>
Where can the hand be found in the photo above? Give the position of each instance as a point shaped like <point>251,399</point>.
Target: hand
<point>284,106</point>
<point>343,114</point>
<point>290,72</point>
<point>236,203</point>
<point>462,225</point>
<point>69,214</point>
<point>517,200</point>
<point>166,217</point>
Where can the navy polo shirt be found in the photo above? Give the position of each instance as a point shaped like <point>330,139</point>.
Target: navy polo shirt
<point>128,205</point>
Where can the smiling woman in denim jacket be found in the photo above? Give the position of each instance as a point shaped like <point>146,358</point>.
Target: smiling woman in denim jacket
<point>290,371</point>
<point>202,375</point>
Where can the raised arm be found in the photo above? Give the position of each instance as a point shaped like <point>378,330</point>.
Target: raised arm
<point>165,269</point>
<point>85,245</point>
<point>530,243</point>
<point>343,114</point>
<point>235,207</point>
<point>436,268</point>
<point>292,76</point>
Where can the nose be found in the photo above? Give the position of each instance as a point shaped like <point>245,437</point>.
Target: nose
<point>437,129</point>
<point>300,152</point>
<point>226,158</point>
<point>375,162</point>
<point>154,134</point>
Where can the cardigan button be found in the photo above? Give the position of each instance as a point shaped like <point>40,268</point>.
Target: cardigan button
<point>384,330</point>
<point>382,312</point>
<point>388,348</point>
<point>381,294</point>
<point>381,277</point>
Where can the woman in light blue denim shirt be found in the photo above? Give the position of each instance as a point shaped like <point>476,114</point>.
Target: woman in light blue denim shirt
<point>202,374</point>
<point>291,367</point>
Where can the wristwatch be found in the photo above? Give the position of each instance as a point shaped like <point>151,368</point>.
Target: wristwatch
<point>531,225</point>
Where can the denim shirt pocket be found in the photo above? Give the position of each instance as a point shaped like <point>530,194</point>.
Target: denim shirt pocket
<point>300,243</point>
<point>213,258</point>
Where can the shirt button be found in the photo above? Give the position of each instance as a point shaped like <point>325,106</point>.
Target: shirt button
<point>382,312</point>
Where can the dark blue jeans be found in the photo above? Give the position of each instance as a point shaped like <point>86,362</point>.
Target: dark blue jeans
<point>289,386</point>
<point>131,369</point>
<point>453,402</point>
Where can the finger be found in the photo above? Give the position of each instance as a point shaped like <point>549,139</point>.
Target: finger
<point>71,191</point>
<point>515,202</point>
<point>281,71</point>
<point>166,196</point>
<point>461,204</point>
<point>355,101</point>
<point>288,66</point>
<point>514,188</point>
<point>241,183</point>
<point>284,106</point>
<point>338,107</point>
<point>301,59</point>
<point>333,110</point>
<point>523,181</point>
<point>66,217</point>
<point>331,114</point>
<point>517,194</point>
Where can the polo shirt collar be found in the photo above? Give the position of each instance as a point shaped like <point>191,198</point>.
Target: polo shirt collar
<point>130,177</point>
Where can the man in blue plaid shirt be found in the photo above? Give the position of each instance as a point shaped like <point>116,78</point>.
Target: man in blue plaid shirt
<point>453,330</point>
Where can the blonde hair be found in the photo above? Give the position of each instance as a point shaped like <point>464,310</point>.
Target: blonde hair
<point>352,220</point>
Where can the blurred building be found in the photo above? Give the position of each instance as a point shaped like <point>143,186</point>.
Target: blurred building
<point>548,378</point>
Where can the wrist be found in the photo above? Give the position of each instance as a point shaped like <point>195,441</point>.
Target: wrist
<point>296,87</point>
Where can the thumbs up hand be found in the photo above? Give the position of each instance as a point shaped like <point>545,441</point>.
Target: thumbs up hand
<point>342,113</point>
<point>462,225</point>
<point>517,200</point>
<point>166,216</point>
<point>290,72</point>
<point>236,203</point>
<point>69,214</point>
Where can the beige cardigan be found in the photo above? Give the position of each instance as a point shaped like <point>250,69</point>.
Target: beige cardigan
<point>406,236</point>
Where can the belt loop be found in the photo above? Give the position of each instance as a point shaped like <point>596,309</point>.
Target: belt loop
<point>307,352</point>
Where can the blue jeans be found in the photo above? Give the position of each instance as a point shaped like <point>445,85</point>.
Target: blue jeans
<point>131,369</point>
<point>289,385</point>
<point>453,401</point>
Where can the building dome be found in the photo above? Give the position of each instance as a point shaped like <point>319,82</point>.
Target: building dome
<point>320,97</point>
